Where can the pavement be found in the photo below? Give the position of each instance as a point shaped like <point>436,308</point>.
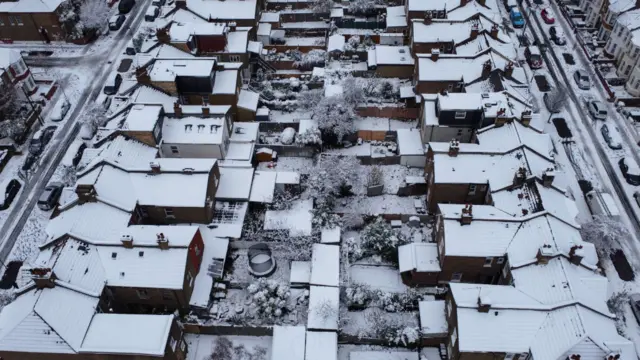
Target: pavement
<point>50,160</point>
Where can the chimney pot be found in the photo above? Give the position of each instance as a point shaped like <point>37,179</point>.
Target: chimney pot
<point>474,30</point>
<point>454,148</point>
<point>435,54</point>
<point>127,241</point>
<point>466,217</point>
<point>163,241</point>
<point>155,167</point>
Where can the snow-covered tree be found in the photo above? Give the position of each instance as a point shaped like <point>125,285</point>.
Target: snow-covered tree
<point>269,298</point>
<point>93,14</point>
<point>352,92</point>
<point>8,100</point>
<point>311,136</point>
<point>13,127</point>
<point>322,6</point>
<point>95,116</point>
<point>309,98</point>
<point>358,295</point>
<point>605,233</point>
<point>69,175</point>
<point>222,349</point>
<point>398,302</point>
<point>406,336</point>
<point>315,57</point>
<point>335,118</point>
<point>379,239</point>
<point>334,176</point>
<point>362,6</point>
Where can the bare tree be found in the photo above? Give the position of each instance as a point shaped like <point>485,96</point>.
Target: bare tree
<point>8,100</point>
<point>606,234</point>
<point>556,100</point>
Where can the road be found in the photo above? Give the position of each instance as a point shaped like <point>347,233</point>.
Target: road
<point>28,198</point>
<point>584,121</point>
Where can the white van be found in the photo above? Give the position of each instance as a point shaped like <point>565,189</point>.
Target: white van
<point>74,153</point>
<point>601,203</point>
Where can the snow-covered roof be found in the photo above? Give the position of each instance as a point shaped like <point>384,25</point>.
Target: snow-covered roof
<point>336,43</point>
<point>513,134</point>
<point>128,334</point>
<point>263,186</point>
<point>224,10</point>
<point>460,101</point>
<point>300,272</point>
<point>8,56</point>
<point>288,342</point>
<point>264,29</point>
<point>418,5</point>
<point>287,177</point>
<point>337,12</point>
<point>30,6</point>
<point>396,17</point>
<point>123,151</point>
<point>51,320</point>
<point>91,221</point>
<point>433,320</point>
<point>325,265</point>
<point>180,183</point>
<point>225,82</point>
<point>215,251</point>
<point>181,32</point>
<point>393,55</point>
<point>269,17</point>
<point>482,164</point>
<point>459,68</point>
<point>321,345</point>
<point>167,70</point>
<point>245,132</point>
<point>248,100</point>
<point>240,152</point>
<point>235,183</point>
<point>144,267</point>
<point>419,257</point>
<point>193,130</point>
<point>330,235</point>
<point>237,42</point>
<point>297,220</point>
<point>410,142</point>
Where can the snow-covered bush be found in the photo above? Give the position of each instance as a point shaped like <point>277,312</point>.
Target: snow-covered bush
<point>222,349</point>
<point>322,6</point>
<point>288,136</point>
<point>378,238</point>
<point>93,14</point>
<point>269,298</point>
<point>396,302</point>
<point>309,98</point>
<point>353,248</point>
<point>8,100</point>
<point>352,221</point>
<point>352,44</point>
<point>314,57</point>
<point>352,92</point>
<point>69,175</point>
<point>95,116</point>
<point>328,179</point>
<point>358,296</point>
<point>387,91</point>
<point>407,336</point>
<point>311,136</point>
<point>616,305</point>
<point>605,233</point>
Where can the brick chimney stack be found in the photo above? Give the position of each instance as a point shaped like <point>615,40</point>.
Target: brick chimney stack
<point>43,277</point>
<point>163,241</point>
<point>475,29</point>
<point>435,54</point>
<point>494,31</point>
<point>127,241</point>
<point>525,118</point>
<point>547,177</point>
<point>205,111</point>
<point>508,69</point>
<point>177,109</point>
<point>142,76</point>
<point>466,217</point>
<point>427,18</point>
<point>576,254</point>
<point>163,36</point>
<point>155,167</point>
<point>486,69</point>
<point>454,148</point>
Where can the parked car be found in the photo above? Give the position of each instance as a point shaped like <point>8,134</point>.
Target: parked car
<point>157,3</point>
<point>611,137</point>
<point>50,196</point>
<point>60,110</point>
<point>557,36</point>
<point>634,301</point>
<point>533,56</point>
<point>130,50</point>
<point>582,79</point>
<point>516,18</point>
<point>597,110</point>
<point>125,6</point>
<point>116,21</point>
<point>547,16</point>
<point>11,189</point>
<point>29,161</point>
<point>40,139</point>
<point>152,13</point>
<point>630,170</point>
<point>74,153</point>
<point>113,83</point>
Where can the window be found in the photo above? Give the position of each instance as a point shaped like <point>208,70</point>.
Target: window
<point>182,346</point>
<point>216,181</point>
<point>509,356</point>
<point>234,58</point>
<point>636,52</point>
<point>449,351</point>
<point>197,250</point>
<point>143,212</point>
<point>456,277</point>
<point>166,295</point>
<point>523,356</point>
<point>627,70</point>
<point>505,271</point>
<point>488,261</point>
<point>500,260</point>
<point>12,20</point>
<point>1,22</point>
<point>449,307</point>
<point>461,115</point>
<point>142,294</point>
<point>472,189</point>
<point>450,87</point>
<point>190,279</point>
<point>19,20</point>
<point>19,67</point>
<point>205,100</point>
<point>174,150</point>
<point>168,213</point>
<point>173,342</point>
<point>615,46</point>
<point>454,336</point>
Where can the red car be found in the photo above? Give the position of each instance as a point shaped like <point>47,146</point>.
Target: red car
<point>547,16</point>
